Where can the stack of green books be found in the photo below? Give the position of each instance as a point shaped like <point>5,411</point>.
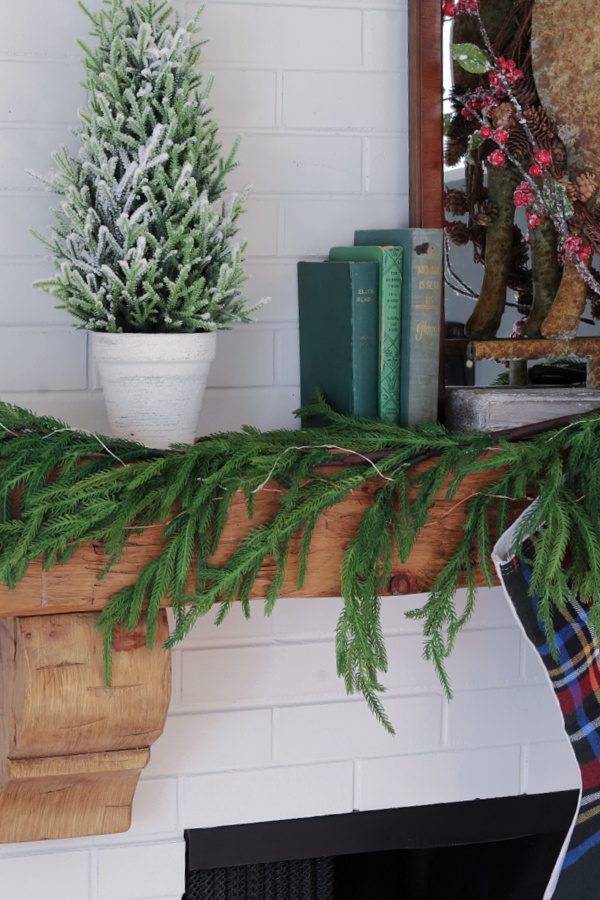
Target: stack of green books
<point>370,320</point>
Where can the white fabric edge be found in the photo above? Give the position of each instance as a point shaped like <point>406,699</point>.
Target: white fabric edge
<point>503,552</point>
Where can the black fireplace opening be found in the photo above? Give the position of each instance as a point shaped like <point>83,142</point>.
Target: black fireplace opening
<point>501,849</point>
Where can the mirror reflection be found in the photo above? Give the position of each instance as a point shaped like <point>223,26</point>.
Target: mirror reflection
<point>521,180</point>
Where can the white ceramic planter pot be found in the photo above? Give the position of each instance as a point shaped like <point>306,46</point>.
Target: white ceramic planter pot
<point>154,384</point>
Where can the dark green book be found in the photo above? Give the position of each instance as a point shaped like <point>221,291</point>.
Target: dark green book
<point>421,317</point>
<point>338,306</point>
<point>389,260</point>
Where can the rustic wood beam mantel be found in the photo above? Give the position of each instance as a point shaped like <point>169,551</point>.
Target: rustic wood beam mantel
<point>78,587</point>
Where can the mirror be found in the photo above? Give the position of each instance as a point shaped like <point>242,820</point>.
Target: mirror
<point>521,173</point>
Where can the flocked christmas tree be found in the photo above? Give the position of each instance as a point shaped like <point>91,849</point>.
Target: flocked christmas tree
<point>143,240</point>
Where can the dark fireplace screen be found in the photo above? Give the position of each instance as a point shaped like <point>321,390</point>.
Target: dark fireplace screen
<point>502,849</point>
<point>302,879</point>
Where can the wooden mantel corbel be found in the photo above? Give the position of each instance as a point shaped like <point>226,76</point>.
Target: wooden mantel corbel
<point>73,749</point>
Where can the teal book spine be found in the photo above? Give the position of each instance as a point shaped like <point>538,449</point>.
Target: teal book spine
<point>421,317</point>
<point>389,260</point>
<point>339,321</point>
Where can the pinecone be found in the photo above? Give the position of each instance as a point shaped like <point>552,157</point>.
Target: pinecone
<point>456,147</point>
<point>541,125</point>
<point>504,116</point>
<point>586,223</point>
<point>518,144</point>
<point>485,213</point>
<point>455,202</point>
<point>525,90</point>
<point>570,188</point>
<point>559,157</point>
<point>458,233</point>
<point>586,186</point>
<point>457,136</point>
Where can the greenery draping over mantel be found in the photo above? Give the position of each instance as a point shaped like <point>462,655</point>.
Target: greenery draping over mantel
<point>75,487</point>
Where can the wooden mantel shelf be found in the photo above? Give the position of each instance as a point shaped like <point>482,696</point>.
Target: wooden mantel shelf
<point>72,749</point>
<point>76,586</point>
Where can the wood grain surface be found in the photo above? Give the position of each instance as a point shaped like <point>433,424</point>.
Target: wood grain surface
<point>76,586</point>
<point>426,160</point>
<point>72,749</point>
<point>425,113</point>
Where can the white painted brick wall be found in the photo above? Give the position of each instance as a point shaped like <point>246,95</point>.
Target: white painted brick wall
<point>260,727</point>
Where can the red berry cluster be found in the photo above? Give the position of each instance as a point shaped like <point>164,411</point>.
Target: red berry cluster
<point>506,75</point>
<point>544,158</point>
<point>451,8</point>
<point>534,220</point>
<point>524,194</point>
<point>575,246</point>
<point>500,135</point>
<point>509,70</point>
<point>479,101</point>
<point>497,158</point>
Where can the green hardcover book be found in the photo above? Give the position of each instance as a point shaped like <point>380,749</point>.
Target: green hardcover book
<point>389,260</point>
<point>421,317</point>
<point>338,334</point>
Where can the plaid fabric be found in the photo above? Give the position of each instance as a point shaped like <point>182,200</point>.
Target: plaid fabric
<point>575,678</point>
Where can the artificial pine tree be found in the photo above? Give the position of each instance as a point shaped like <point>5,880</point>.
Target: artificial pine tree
<point>143,241</point>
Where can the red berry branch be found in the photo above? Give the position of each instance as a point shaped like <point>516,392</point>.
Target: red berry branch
<point>451,8</point>
<point>540,194</point>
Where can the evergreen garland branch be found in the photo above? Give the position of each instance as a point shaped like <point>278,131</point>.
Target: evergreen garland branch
<point>61,489</point>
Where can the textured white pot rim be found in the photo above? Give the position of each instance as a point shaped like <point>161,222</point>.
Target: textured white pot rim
<point>153,337</point>
<point>138,349</point>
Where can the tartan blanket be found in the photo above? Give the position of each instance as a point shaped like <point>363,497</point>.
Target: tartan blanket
<point>575,679</point>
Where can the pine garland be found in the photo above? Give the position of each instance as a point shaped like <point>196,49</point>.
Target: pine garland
<point>61,488</point>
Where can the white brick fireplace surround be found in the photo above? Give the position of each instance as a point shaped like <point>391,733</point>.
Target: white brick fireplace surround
<point>260,728</point>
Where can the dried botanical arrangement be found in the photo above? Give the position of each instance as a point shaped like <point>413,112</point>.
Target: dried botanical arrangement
<point>528,140</point>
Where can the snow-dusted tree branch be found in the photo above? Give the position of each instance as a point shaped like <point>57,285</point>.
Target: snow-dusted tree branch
<point>143,239</point>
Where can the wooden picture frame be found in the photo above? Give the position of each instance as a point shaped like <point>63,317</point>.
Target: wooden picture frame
<point>426,154</point>
<point>425,62</point>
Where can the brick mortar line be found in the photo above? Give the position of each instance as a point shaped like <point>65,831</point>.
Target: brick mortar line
<point>430,750</point>
<point>308,196</point>
<point>303,4</point>
<point>399,694</point>
<point>229,130</point>
<point>187,712</point>
<point>224,66</point>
